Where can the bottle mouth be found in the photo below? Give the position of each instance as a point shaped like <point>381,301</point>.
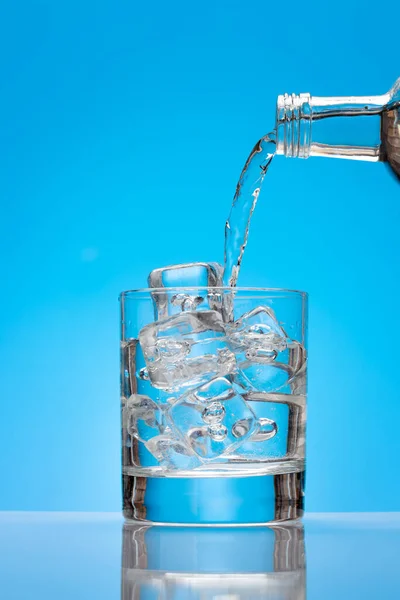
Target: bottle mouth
<point>293,125</point>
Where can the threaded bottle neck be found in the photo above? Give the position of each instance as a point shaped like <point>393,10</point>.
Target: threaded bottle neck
<point>293,125</point>
<point>300,130</point>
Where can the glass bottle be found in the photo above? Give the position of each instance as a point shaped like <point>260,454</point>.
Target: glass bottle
<point>315,126</point>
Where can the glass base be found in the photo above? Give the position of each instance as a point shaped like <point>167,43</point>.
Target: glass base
<point>220,501</point>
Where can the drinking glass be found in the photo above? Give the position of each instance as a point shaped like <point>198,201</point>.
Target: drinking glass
<point>213,403</point>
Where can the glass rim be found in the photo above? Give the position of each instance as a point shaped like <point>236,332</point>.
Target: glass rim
<point>272,292</point>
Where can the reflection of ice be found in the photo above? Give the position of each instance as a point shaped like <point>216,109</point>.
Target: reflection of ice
<point>191,275</point>
<point>213,419</point>
<point>186,349</point>
<point>209,563</point>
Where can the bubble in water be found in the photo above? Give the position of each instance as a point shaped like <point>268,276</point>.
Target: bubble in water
<point>214,413</point>
<point>218,432</point>
<point>144,374</point>
<point>261,354</point>
<point>241,428</point>
<point>268,429</point>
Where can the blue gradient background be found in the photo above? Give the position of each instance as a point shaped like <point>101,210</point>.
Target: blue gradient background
<point>124,127</point>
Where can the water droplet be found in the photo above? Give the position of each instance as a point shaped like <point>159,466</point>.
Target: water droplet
<point>214,413</point>
<point>218,432</point>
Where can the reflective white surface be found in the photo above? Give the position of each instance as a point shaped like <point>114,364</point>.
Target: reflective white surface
<point>92,555</point>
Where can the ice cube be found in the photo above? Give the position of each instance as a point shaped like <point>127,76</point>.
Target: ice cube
<point>140,379</point>
<point>214,419</point>
<point>263,377</point>
<point>172,453</point>
<point>266,358</point>
<point>186,302</point>
<point>187,275</point>
<point>285,372</point>
<point>186,350</point>
<point>143,418</point>
<point>258,333</point>
<point>191,275</point>
<point>274,439</point>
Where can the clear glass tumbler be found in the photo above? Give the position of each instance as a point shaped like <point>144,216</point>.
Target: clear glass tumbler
<point>213,402</point>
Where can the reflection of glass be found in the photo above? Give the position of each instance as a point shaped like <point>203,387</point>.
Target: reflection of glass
<point>213,404</point>
<point>164,563</point>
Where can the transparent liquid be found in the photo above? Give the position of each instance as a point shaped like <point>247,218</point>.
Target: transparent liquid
<point>161,441</point>
<point>244,202</point>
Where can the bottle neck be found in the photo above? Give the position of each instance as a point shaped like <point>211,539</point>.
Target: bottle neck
<point>301,126</point>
